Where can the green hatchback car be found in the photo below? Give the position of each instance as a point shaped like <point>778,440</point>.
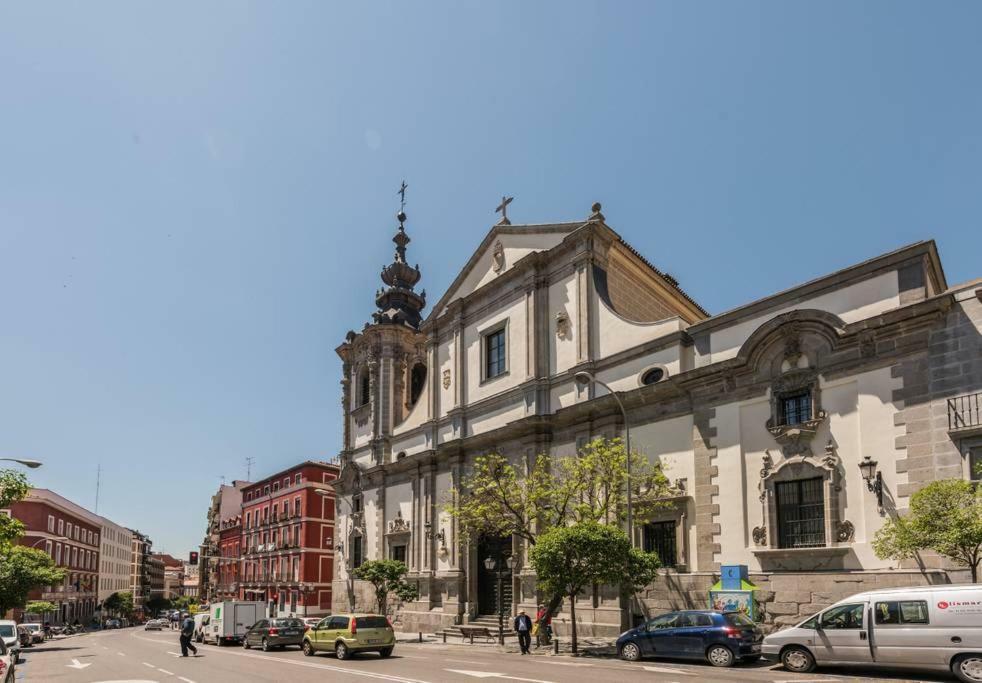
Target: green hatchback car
<point>347,634</point>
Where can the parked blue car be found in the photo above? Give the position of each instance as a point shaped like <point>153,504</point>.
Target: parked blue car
<point>720,638</point>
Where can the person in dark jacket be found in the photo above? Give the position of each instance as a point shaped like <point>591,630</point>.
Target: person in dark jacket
<point>523,627</point>
<point>187,630</point>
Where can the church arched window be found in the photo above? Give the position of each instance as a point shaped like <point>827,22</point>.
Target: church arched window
<point>364,387</point>
<point>417,380</point>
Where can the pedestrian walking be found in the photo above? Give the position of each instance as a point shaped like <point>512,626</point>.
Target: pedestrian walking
<point>523,627</point>
<point>187,630</point>
<point>543,626</point>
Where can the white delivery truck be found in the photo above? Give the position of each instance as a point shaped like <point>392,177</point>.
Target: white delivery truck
<point>228,621</point>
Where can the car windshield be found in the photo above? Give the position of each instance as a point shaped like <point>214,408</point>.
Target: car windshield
<point>287,623</point>
<point>738,619</point>
<point>6,631</point>
<point>371,622</point>
<point>32,627</point>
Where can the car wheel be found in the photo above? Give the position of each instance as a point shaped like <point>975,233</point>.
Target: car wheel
<point>245,643</point>
<point>307,648</point>
<point>797,659</point>
<point>265,645</point>
<point>630,651</point>
<point>342,651</point>
<point>719,655</point>
<point>968,668</point>
<point>385,651</point>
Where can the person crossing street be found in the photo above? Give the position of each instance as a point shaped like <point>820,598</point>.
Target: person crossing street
<point>187,630</point>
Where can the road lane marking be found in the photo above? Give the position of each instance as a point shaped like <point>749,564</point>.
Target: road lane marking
<point>121,654</point>
<point>666,670</point>
<point>186,680</point>
<point>490,674</point>
<point>164,671</point>
<point>149,664</point>
<point>78,665</point>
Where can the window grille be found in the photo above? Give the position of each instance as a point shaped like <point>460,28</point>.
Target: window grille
<point>801,513</point>
<point>659,538</point>
<point>796,409</point>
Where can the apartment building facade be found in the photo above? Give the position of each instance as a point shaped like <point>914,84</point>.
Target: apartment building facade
<point>115,559</point>
<point>287,539</point>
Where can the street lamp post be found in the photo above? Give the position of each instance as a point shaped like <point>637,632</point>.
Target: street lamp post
<point>585,378</point>
<point>33,464</point>
<point>498,566</point>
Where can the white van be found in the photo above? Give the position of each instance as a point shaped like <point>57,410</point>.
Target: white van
<point>929,627</point>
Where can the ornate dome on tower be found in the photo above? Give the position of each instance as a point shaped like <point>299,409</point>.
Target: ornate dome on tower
<point>398,303</point>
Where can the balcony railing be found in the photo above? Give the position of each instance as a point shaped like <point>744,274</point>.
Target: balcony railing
<point>965,412</point>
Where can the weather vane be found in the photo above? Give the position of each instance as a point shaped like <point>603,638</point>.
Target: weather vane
<point>402,194</point>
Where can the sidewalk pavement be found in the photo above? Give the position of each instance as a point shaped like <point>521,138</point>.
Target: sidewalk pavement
<point>586,646</point>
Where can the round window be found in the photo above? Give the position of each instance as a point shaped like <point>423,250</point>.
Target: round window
<point>652,376</point>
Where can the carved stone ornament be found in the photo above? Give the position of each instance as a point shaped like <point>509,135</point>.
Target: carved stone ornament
<point>760,535</point>
<point>498,257</point>
<point>796,439</point>
<point>766,465</point>
<point>792,344</point>
<point>867,345</point>
<point>446,379</point>
<point>398,525</point>
<point>844,531</point>
<point>562,325</point>
<point>830,459</point>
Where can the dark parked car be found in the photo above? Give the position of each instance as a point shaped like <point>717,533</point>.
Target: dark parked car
<point>720,638</point>
<point>270,633</point>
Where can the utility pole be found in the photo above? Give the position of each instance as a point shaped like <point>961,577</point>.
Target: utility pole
<point>249,462</point>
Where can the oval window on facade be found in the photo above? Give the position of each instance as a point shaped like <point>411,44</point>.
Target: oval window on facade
<point>652,376</point>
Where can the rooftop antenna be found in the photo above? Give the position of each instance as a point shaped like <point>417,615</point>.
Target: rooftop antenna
<point>249,462</point>
<point>98,482</point>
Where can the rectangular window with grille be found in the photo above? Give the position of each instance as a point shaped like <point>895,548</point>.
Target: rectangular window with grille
<point>975,463</point>
<point>801,513</point>
<point>398,553</point>
<point>494,354</point>
<point>659,538</point>
<point>796,409</point>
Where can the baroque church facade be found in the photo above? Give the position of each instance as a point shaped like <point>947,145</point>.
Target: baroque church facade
<point>791,427</point>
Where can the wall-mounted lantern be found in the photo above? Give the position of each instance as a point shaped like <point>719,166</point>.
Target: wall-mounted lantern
<point>873,478</point>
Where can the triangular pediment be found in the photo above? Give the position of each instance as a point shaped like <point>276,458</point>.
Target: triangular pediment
<point>499,251</point>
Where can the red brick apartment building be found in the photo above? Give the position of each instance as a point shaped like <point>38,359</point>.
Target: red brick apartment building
<point>287,539</point>
<point>229,559</point>
<point>70,535</point>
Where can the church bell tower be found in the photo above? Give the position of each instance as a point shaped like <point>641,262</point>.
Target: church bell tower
<point>384,366</point>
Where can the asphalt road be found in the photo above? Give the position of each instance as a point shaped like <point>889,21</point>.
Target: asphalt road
<point>137,656</point>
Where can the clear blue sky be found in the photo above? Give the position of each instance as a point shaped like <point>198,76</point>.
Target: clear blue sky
<point>196,198</point>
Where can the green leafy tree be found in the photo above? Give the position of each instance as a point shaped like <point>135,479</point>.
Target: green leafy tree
<point>13,487</point>
<point>498,498</point>
<point>40,607</point>
<point>568,559</point>
<point>119,604</point>
<point>388,578</point>
<point>21,571</point>
<point>946,517</point>
<point>157,603</point>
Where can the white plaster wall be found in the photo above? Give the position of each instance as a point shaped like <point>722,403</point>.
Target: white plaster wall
<point>626,376</point>
<point>413,443</point>
<point>562,297</point>
<point>446,358</point>
<point>399,498</point>
<point>855,302</point>
<point>363,458</point>
<point>860,420</point>
<point>361,435</point>
<point>418,414</point>
<point>371,508</point>
<point>617,334</point>
<point>564,394</point>
<point>517,342</point>
<point>485,422</point>
<point>515,246</point>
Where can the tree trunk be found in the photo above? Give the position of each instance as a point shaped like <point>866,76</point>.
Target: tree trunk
<point>975,572</point>
<point>572,617</point>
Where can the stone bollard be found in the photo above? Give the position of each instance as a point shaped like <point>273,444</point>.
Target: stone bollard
<point>444,636</point>
<point>421,636</point>
<point>555,646</point>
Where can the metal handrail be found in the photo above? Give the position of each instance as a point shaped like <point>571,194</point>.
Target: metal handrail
<point>965,412</point>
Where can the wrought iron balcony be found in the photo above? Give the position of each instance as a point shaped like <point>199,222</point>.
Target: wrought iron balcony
<point>965,413</point>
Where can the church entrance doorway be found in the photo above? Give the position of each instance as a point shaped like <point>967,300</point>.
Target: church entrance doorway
<point>487,580</point>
